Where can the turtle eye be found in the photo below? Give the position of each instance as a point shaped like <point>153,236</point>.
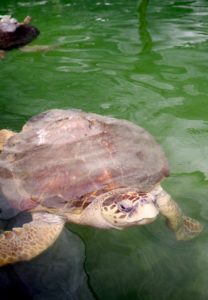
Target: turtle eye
<point>125,206</point>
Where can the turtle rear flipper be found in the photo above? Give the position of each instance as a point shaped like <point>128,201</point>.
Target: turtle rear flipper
<point>24,243</point>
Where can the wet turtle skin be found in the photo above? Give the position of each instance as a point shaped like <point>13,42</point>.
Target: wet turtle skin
<point>62,158</point>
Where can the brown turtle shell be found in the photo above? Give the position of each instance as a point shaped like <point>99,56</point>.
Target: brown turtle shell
<point>61,156</point>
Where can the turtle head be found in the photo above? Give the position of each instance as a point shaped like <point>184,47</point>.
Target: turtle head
<point>129,207</point>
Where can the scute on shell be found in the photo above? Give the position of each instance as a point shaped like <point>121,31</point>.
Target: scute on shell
<point>62,155</point>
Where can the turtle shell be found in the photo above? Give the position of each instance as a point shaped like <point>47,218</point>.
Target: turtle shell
<point>23,35</point>
<point>60,156</point>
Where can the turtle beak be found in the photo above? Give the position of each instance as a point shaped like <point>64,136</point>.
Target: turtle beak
<point>143,213</point>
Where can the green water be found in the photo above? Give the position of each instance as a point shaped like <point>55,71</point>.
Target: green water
<point>145,62</point>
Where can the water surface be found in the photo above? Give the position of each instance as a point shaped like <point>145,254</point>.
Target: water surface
<point>143,61</point>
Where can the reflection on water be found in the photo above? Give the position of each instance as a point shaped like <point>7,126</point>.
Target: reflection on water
<point>144,61</point>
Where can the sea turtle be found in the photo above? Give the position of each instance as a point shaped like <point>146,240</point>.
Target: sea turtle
<point>14,34</point>
<point>73,166</point>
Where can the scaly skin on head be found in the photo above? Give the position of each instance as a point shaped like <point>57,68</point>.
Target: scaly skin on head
<point>118,208</point>
<point>126,207</point>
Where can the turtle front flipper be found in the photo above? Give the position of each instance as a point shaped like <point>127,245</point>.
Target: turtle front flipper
<point>26,242</point>
<point>5,134</point>
<point>185,228</point>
